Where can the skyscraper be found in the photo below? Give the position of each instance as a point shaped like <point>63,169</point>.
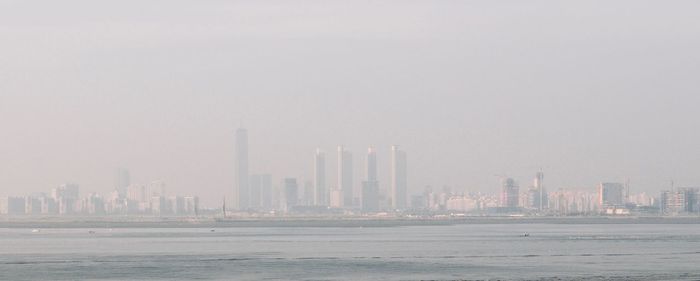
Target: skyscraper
<point>122,180</point>
<point>371,164</point>
<point>370,187</point>
<point>242,191</point>
<point>291,193</point>
<point>509,193</point>
<point>266,191</point>
<point>255,188</point>
<point>399,182</point>
<point>320,190</point>
<point>611,194</point>
<point>345,175</point>
<point>538,194</point>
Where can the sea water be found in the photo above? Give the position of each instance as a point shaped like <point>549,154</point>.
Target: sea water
<point>456,252</point>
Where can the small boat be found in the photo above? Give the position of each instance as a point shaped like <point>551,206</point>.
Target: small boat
<point>35,231</point>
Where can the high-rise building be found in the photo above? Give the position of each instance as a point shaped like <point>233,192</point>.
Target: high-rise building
<point>509,193</point>
<point>137,193</point>
<point>242,191</point>
<point>320,189</point>
<point>122,181</point>
<point>537,195</point>
<point>255,185</point>
<point>266,191</point>
<point>371,165</point>
<point>370,187</point>
<point>308,193</point>
<point>12,205</point>
<point>679,201</point>
<point>345,175</point>
<point>399,178</point>
<point>66,196</point>
<point>291,193</point>
<point>611,194</point>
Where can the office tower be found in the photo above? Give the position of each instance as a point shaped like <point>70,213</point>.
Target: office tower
<point>69,190</point>
<point>13,205</point>
<point>320,190</point>
<point>345,175</point>
<point>291,193</point>
<point>266,191</point>
<point>399,181</point>
<point>308,193</point>
<point>191,205</point>
<point>48,206</point>
<point>371,165</point>
<point>679,201</point>
<point>537,195</point>
<point>509,193</point>
<point>242,192</point>
<point>137,193</point>
<point>370,187</point>
<point>66,196</point>
<point>255,185</point>
<point>611,194</point>
<point>32,205</point>
<point>122,181</point>
<point>95,204</point>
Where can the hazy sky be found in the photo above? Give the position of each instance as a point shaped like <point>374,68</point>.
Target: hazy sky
<point>588,91</point>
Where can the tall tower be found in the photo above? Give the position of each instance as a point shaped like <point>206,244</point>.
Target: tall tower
<point>509,193</point>
<point>399,182</point>
<point>345,175</point>
<point>371,164</point>
<point>320,194</point>
<point>291,193</point>
<point>122,180</point>
<point>541,192</point>
<point>370,187</point>
<point>242,190</point>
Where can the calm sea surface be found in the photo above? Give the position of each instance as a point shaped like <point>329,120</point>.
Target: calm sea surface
<point>569,252</point>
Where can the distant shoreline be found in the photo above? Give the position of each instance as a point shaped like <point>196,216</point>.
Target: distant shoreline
<point>112,222</point>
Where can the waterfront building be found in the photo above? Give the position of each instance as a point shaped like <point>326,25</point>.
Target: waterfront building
<point>255,185</point>
<point>320,189</point>
<point>266,191</point>
<point>291,193</point>
<point>679,201</point>
<point>345,176</point>
<point>399,178</point>
<point>611,194</point>
<point>12,205</point>
<point>370,187</point>
<point>537,197</point>
<point>509,193</point>
<point>241,191</point>
<point>122,180</point>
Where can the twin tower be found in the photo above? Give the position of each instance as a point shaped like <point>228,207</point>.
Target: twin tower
<point>342,195</point>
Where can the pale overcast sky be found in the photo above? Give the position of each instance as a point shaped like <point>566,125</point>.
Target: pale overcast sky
<point>589,91</point>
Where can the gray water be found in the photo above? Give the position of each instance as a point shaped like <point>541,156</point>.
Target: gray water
<point>569,252</point>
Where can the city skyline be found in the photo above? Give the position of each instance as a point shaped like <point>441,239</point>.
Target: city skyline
<point>470,89</point>
<point>350,140</point>
<point>257,192</point>
<point>357,182</point>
